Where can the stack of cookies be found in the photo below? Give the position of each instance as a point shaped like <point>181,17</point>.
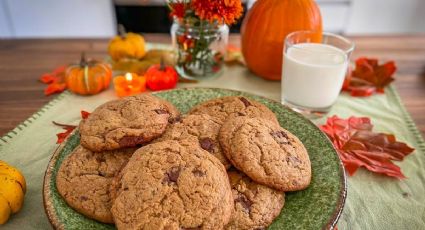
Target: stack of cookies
<point>224,165</point>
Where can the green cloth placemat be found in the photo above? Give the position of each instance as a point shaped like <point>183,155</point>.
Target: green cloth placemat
<point>373,202</point>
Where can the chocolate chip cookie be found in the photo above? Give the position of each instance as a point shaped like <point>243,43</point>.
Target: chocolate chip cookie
<point>126,122</point>
<point>204,127</point>
<point>228,107</point>
<point>266,152</point>
<point>173,185</point>
<point>256,205</point>
<point>84,178</point>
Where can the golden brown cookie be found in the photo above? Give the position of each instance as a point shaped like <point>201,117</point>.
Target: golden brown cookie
<point>126,122</point>
<point>267,153</point>
<point>173,185</point>
<point>204,128</point>
<point>224,108</point>
<point>256,206</point>
<point>84,178</point>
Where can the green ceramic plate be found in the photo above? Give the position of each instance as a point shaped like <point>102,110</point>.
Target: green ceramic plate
<point>317,207</point>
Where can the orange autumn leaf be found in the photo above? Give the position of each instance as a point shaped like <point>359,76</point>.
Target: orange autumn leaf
<point>68,128</point>
<point>47,78</point>
<point>358,146</point>
<point>54,87</point>
<point>369,77</point>
<point>55,81</point>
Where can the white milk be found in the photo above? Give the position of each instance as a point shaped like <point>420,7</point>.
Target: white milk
<point>313,74</point>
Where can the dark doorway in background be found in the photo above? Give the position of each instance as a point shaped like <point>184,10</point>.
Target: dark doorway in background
<point>152,18</point>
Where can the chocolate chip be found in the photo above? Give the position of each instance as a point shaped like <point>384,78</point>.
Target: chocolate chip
<point>172,175</point>
<point>240,114</point>
<point>173,120</point>
<point>244,201</point>
<point>245,101</point>
<point>160,111</point>
<point>129,141</point>
<point>198,173</point>
<point>83,198</point>
<point>207,144</point>
<point>100,159</point>
<point>294,160</point>
<point>280,137</point>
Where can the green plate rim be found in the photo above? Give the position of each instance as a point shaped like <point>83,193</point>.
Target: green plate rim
<point>331,224</point>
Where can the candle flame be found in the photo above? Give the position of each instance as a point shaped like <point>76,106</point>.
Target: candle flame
<point>128,76</point>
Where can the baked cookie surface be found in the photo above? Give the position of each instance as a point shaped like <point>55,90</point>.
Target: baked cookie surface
<point>266,152</point>
<point>224,108</point>
<point>256,206</point>
<point>204,128</point>
<point>126,122</point>
<point>84,178</point>
<point>173,185</point>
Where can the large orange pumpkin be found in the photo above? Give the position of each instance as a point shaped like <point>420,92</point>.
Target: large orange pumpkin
<point>264,30</point>
<point>88,77</point>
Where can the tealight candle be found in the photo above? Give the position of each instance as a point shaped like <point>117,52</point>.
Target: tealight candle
<point>130,84</point>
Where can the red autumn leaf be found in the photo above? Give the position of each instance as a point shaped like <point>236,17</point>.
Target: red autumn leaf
<point>369,77</point>
<point>60,70</point>
<point>84,114</point>
<point>64,135</point>
<point>55,81</point>
<point>54,88</point>
<point>48,78</point>
<point>358,146</point>
<point>68,128</point>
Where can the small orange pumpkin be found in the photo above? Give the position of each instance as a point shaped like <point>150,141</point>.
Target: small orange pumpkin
<point>264,30</point>
<point>88,77</point>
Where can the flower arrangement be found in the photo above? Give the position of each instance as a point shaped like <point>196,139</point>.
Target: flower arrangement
<point>198,39</point>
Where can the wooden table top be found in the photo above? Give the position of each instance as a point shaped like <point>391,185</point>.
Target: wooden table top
<point>23,61</point>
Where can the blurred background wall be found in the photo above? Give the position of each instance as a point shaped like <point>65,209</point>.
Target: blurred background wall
<point>98,18</point>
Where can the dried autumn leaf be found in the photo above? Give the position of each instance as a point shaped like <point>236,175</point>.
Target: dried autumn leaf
<point>47,78</point>
<point>55,81</point>
<point>84,114</point>
<point>369,77</point>
<point>358,146</point>
<point>54,87</point>
<point>63,135</point>
<point>68,128</point>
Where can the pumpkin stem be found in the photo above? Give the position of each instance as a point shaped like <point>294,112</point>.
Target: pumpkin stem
<point>83,60</point>
<point>162,64</point>
<point>121,31</point>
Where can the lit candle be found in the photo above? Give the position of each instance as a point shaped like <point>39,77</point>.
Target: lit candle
<point>130,84</point>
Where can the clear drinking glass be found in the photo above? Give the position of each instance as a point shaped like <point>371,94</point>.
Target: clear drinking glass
<point>314,68</point>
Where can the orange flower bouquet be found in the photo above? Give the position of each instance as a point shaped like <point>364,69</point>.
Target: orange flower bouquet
<point>200,34</point>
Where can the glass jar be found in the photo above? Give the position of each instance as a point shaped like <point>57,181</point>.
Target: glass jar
<point>199,49</point>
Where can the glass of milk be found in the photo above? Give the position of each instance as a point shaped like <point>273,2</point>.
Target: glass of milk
<point>314,68</point>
